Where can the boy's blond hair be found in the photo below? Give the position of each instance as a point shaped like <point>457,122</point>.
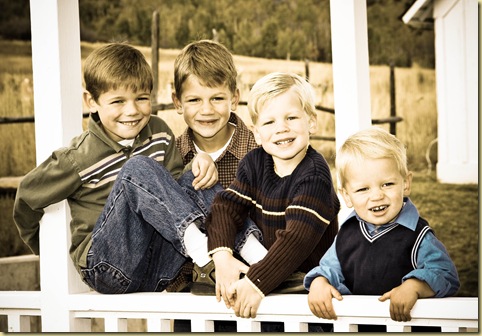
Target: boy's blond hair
<point>210,61</point>
<point>116,65</point>
<point>371,143</point>
<point>277,83</point>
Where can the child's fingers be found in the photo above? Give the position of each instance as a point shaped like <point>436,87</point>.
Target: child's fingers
<point>329,312</point>
<point>205,178</point>
<point>218,292</point>
<point>336,294</point>
<point>231,295</point>
<point>204,182</point>
<point>384,297</point>
<point>315,309</point>
<point>322,310</point>
<point>195,169</point>
<point>400,313</point>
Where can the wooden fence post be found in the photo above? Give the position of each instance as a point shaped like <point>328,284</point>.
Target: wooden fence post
<point>155,55</point>
<point>393,104</point>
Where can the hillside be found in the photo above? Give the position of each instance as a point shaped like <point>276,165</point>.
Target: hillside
<point>283,29</point>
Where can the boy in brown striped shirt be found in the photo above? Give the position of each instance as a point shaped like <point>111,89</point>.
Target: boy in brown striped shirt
<point>285,187</point>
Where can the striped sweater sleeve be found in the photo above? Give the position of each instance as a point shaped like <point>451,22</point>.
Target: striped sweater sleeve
<point>308,218</point>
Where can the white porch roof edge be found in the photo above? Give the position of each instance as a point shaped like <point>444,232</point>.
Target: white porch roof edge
<point>420,14</point>
<point>455,23</point>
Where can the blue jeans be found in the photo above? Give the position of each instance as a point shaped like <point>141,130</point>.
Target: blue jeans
<point>137,242</point>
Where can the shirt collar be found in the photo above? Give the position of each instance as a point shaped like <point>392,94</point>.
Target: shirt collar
<point>241,132</point>
<point>408,217</point>
<point>95,127</point>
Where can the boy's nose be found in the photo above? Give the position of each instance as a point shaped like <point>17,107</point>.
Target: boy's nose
<point>131,108</point>
<point>206,107</point>
<point>281,127</point>
<point>376,194</point>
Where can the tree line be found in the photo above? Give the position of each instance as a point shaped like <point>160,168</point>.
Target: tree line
<point>294,29</point>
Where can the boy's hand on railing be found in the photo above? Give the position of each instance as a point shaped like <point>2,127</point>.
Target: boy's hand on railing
<point>228,270</point>
<point>320,298</point>
<point>204,171</point>
<point>404,297</point>
<point>247,297</point>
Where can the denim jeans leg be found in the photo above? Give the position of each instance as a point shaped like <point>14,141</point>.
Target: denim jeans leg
<point>205,198</point>
<point>136,243</point>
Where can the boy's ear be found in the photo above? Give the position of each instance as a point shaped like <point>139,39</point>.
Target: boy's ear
<point>313,125</point>
<point>90,102</point>
<point>408,184</point>
<point>346,197</point>
<point>257,137</point>
<point>177,103</point>
<point>235,100</point>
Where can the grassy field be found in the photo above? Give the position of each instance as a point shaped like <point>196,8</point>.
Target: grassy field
<point>452,210</point>
<point>415,101</point>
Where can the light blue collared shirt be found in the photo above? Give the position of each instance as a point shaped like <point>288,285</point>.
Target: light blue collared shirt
<point>434,265</point>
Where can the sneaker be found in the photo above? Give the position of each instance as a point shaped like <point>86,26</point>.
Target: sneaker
<point>182,281</point>
<point>292,285</point>
<point>204,279</point>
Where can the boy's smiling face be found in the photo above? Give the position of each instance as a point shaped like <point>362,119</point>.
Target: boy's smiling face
<point>122,112</point>
<point>375,189</point>
<point>283,129</point>
<point>206,110</point>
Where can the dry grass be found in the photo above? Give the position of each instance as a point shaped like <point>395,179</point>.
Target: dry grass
<point>415,101</point>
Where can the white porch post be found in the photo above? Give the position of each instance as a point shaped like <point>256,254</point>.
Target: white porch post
<point>58,117</point>
<point>351,71</point>
<point>456,46</point>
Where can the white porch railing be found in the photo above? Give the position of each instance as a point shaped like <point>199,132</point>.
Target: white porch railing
<point>455,314</point>
<point>66,304</point>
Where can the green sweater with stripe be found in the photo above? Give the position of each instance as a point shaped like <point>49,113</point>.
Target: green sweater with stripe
<point>83,173</point>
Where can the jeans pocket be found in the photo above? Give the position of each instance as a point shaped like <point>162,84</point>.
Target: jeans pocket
<point>106,279</point>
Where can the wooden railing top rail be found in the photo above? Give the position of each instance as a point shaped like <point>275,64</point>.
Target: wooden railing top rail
<point>452,314</point>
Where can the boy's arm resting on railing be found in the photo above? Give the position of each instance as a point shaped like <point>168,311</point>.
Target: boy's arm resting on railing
<point>435,267</point>
<point>435,276</point>
<point>403,298</point>
<point>228,272</point>
<point>320,298</point>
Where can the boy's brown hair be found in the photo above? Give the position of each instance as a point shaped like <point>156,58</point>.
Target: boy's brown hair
<point>211,62</point>
<point>116,65</point>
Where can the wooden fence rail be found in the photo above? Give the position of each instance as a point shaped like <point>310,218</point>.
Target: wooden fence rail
<point>392,120</point>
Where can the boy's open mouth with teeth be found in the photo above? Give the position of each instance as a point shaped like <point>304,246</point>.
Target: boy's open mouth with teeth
<point>206,122</point>
<point>129,123</point>
<point>379,208</point>
<point>284,142</point>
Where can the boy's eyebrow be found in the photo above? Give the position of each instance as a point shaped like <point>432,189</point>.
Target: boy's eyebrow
<point>191,95</point>
<point>114,97</point>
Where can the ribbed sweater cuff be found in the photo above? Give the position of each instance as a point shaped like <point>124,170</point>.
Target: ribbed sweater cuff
<point>217,249</point>
<point>254,286</point>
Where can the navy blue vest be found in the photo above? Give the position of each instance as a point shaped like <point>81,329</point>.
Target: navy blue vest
<point>375,265</point>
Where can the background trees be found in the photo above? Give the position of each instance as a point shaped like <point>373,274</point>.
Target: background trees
<point>294,29</point>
